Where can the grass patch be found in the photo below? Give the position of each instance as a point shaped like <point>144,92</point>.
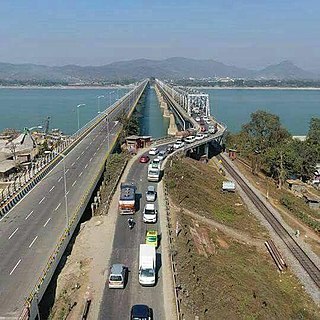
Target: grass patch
<point>197,187</point>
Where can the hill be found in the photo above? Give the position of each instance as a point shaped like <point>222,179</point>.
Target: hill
<point>172,68</point>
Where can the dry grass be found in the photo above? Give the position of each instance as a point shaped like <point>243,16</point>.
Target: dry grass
<point>219,277</point>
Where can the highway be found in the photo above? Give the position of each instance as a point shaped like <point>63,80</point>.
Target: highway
<point>30,231</point>
<point>117,303</point>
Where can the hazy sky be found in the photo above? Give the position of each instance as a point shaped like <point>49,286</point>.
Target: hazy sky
<point>247,33</point>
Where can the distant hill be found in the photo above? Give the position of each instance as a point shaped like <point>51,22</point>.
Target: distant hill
<point>172,68</point>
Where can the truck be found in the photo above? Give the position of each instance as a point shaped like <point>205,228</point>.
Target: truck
<point>147,265</point>
<point>127,201</point>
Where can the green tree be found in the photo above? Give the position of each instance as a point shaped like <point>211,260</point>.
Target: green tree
<point>313,138</point>
<point>264,131</point>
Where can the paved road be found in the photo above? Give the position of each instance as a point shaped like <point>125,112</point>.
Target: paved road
<point>117,303</point>
<point>32,228</point>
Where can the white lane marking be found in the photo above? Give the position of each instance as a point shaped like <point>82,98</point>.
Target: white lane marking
<point>90,159</point>
<point>33,241</point>
<point>78,158</point>
<point>67,170</point>
<point>86,166</point>
<point>12,234</point>
<point>60,179</point>
<point>73,164</point>
<point>27,217</point>
<point>87,147</point>
<point>98,148</point>
<point>57,207</point>
<point>41,200</point>
<point>74,183</point>
<point>14,268</point>
<point>67,192</point>
<point>91,142</point>
<point>95,153</point>
<point>80,174</point>
<point>104,139</point>
<point>47,222</point>
<point>82,152</point>
<point>52,188</point>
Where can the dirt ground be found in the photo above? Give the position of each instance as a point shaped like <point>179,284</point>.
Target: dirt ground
<point>224,270</point>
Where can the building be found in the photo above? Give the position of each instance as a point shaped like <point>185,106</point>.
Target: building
<point>133,143</point>
<point>312,200</point>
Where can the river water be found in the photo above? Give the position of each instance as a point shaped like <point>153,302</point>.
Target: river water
<point>21,108</point>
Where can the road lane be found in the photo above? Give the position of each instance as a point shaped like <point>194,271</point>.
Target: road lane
<point>43,209</point>
<point>116,304</point>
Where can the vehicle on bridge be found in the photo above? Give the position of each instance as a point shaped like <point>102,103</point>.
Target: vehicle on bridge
<point>127,201</point>
<point>190,139</point>
<point>144,159</point>
<point>147,265</point>
<point>178,144</point>
<point>141,312</point>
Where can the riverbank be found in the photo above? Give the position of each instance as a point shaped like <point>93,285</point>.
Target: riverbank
<point>254,88</point>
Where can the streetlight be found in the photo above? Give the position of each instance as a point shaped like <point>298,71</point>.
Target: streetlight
<point>78,106</point>
<point>102,96</point>
<point>110,97</point>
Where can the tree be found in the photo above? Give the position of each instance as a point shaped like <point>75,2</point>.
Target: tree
<point>313,138</point>
<point>264,131</point>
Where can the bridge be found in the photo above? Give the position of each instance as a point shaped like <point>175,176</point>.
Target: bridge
<point>40,215</point>
<point>39,219</point>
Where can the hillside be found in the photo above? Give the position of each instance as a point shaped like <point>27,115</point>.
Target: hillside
<point>172,68</point>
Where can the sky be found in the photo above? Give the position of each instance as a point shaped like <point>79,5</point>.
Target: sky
<point>245,33</point>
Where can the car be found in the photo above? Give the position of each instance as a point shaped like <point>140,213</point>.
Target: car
<point>155,163</point>
<point>205,118</point>
<point>144,159</point>
<point>199,136</point>
<point>150,213</point>
<point>118,276</point>
<point>153,151</point>
<point>151,194</point>
<point>198,119</point>
<point>170,148</point>
<point>161,155</point>
<point>152,237</point>
<point>190,139</point>
<point>141,312</point>
<point>178,144</point>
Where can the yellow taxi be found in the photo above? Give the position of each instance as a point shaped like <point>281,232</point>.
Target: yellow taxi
<point>152,237</point>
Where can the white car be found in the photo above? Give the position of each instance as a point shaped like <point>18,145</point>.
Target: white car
<point>190,139</point>
<point>153,151</point>
<point>205,118</point>
<point>199,136</point>
<point>150,213</point>
<point>161,155</point>
<point>198,119</point>
<point>178,144</point>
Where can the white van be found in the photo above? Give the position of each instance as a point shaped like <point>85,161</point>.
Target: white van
<point>147,265</point>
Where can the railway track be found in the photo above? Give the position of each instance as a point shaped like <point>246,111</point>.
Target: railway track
<point>307,264</point>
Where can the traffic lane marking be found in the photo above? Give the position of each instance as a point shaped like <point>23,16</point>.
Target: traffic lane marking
<point>52,188</point>
<point>27,217</point>
<point>12,234</point>
<point>47,222</point>
<point>14,268</point>
<point>42,200</point>
<point>57,207</point>
<point>33,241</point>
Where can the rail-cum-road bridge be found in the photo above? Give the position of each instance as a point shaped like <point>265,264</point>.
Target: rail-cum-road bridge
<point>39,218</point>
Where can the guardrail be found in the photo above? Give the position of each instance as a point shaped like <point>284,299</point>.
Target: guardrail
<point>30,309</point>
<point>173,263</point>
<point>11,197</point>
